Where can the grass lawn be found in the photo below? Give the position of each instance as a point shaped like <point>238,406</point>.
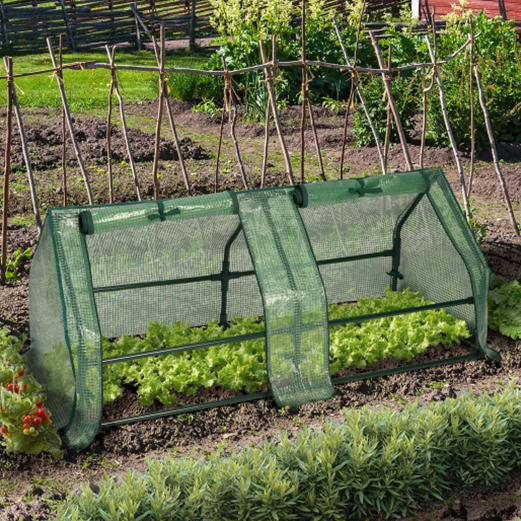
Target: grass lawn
<point>87,91</point>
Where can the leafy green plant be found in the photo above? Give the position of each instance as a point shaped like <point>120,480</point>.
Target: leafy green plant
<point>208,106</point>
<point>25,423</point>
<point>11,272</point>
<point>379,463</point>
<point>504,309</point>
<point>242,365</point>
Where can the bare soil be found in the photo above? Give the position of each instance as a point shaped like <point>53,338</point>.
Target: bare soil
<point>31,485</point>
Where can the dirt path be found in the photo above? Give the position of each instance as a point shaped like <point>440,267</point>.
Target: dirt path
<point>32,484</point>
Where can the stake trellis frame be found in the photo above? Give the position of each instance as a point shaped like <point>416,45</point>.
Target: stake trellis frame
<point>225,276</point>
<point>162,70</point>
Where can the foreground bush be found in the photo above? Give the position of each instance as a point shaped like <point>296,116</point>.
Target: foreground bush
<point>25,424</point>
<point>375,462</point>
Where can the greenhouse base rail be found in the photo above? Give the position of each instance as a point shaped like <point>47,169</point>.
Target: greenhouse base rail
<point>474,354</point>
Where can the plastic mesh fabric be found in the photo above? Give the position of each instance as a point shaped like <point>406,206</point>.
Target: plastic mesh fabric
<point>295,307</point>
<point>49,357</point>
<point>117,268</point>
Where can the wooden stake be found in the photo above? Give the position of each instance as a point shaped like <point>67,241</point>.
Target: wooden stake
<point>267,121</point>
<point>232,116</point>
<point>266,143</point>
<point>315,137</point>
<point>491,139</point>
<point>216,184</point>
<point>158,124</point>
<point>425,92</point>
<point>70,125</point>
<point>27,160</point>
<point>303,91</point>
<point>351,91</point>
<point>109,149</point>
<point>472,119</point>
<point>171,116</point>
<point>64,131</point>
<point>388,124</point>
<point>7,171</point>
<point>449,129</point>
<point>361,97</point>
<point>387,83</point>
<point>113,68</point>
<point>273,101</point>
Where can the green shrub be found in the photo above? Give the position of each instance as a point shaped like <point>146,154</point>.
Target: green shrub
<point>500,69</point>
<point>375,463</point>
<point>504,309</point>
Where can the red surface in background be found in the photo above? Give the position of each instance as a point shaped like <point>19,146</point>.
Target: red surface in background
<point>513,7</point>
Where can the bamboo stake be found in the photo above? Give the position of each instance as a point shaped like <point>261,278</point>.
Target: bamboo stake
<point>232,117</point>
<point>303,91</point>
<point>7,171</point>
<point>491,139</point>
<point>158,124</point>
<point>171,116</point>
<point>351,91</point>
<point>27,159</point>
<point>273,101</point>
<point>70,125</point>
<point>64,131</point>
<point>449,129</point>
<point>387,82</point>
<point>111,56</point>
<point>361,97</point>
<point>472,119</point>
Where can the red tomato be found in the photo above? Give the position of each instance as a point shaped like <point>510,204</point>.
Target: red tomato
<point>20,373</point>
<point>2,431</point>
<point>9,387</point>
<point>39,404</point>
<point>27,419</point>
<point>17,388</point>
<point>26,425</point>
<point>37,421</point>
<point>41,412</point>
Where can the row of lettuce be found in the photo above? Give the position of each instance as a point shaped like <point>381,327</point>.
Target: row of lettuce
<point>243,23</point>
<point>26,426</point>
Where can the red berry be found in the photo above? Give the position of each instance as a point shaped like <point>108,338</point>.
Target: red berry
<point>37,421</point>
<point>39,404</point>
<point>17,388</point>
<point>20,373</point>
<point>10,387</point>
<point>27,419</point>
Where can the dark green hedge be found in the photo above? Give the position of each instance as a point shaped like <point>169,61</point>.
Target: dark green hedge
<point>376,461</point>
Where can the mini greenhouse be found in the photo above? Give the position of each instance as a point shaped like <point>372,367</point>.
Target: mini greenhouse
<point>282,253</point>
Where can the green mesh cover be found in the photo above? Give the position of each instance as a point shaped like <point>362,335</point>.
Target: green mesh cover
<point>295,307</point>
<point>285,253</point>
